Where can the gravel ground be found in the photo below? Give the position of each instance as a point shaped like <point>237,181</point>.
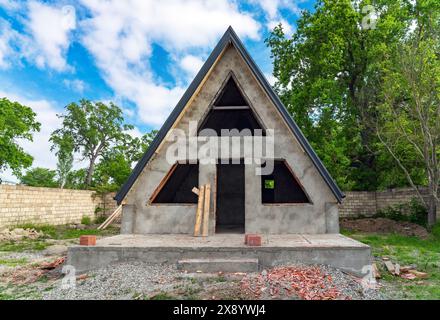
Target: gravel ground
<point>142,281</point>
<point>119,282</point>
<point>351,286</point>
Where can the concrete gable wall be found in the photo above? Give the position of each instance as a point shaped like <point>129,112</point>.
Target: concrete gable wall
<point>319,217</point>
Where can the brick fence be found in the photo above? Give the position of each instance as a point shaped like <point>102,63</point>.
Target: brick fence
<point>368,203</point>
<point>22,204</point>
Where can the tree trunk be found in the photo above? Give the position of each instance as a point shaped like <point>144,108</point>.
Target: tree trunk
<point>432,211</point>
<point>90,171</point>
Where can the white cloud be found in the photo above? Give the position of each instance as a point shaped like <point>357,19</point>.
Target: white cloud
<point>10,41</point>
<point>39,148</point>
<point>191,64</point>
<point>270,78</point>
<point>272,10</point>
<point>10,5</point>
<point>75,85</point>
<point>50,28</point>
<point>287,28</point>
<point>119,34</point>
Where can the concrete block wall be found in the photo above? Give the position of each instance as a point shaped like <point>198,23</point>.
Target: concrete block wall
<point>22,204</point>
<point>368,203</point>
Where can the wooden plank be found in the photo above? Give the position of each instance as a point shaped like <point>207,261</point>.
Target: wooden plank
<point>199,212</point>
<point>390,266</point>
<point>162,183</point>
<point>206,210</point>
<point>110,218</point>
<point>196,191</point>
<point>231,108</point>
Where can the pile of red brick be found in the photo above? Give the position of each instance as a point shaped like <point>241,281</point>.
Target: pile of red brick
<point>308,283</point>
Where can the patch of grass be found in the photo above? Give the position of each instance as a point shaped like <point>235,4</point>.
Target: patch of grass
<point>425,254</point>
<point>10,292</point>
<point>13,262</point>
<point>21,246</point>
<point>65,232</point>
<point>86,220</point>
<point>162,296</point>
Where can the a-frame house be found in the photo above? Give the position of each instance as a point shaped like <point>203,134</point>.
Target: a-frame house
<point>230,92</point>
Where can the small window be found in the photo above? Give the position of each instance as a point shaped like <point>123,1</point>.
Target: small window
<point>282,186</point>
<point>269,184</point>
<point>177,186</point>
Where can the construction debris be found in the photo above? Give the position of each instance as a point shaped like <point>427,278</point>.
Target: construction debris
<point>405,272</point>
<point>308,283</point>
<point>18,234</point>
<point>52,265</point>
<point>390,266</point>
<point>376,273</point>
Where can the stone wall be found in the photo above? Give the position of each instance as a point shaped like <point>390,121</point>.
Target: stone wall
<point>22,204</point>
<point>368,203</point>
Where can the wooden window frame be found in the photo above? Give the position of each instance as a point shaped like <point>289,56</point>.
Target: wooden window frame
<point>159,188</point>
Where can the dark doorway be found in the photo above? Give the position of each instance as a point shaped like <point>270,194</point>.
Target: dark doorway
<point>230,213</point>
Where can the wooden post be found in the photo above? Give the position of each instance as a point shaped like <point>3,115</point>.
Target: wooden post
<point>206,210</point>
<point>199,212</point>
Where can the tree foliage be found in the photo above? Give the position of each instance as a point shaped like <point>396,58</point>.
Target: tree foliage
<point>93,128</point>
<point>408,122</point>
<point>329,77</point>
<point>17,122</point>
<point>40,177</point>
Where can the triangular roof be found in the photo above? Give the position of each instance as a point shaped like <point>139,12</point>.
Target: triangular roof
<point>230,37</point>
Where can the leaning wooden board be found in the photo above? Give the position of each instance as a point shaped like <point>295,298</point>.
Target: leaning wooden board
<point>199,212</point>
<point>206,210</point>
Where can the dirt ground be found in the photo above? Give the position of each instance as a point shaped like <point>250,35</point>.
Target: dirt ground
<point>384,226</point>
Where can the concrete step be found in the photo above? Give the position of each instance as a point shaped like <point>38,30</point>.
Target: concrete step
<point>217,265</point>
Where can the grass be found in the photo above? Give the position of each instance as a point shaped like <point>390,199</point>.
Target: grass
<point>52,232</point>
<point>162,296</point>
<point>86,220</point>
<point>13,262</point>
<point>425,254</point>
<point>24,245</point>
<point>65,232</point>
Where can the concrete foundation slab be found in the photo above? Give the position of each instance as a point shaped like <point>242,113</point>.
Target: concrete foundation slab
<point>217,265</point>
<point>330,249</point>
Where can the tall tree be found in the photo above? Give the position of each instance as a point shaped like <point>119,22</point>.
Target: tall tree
<point>16,122</point>
<point>409,118</point>
<point>328,76</point>
<point>64,151</point>
<point>93,128</point>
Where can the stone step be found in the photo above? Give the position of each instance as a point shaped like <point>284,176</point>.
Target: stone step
<point>218,265</point>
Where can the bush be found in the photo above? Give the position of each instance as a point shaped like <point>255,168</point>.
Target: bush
<point>100,219</point>
<point>412,211</point>
<point>86,220</point>
<point>436,230</point>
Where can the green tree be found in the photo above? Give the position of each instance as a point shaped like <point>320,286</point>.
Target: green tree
<point>16,122</point>
<point>409,119</point>
<point>39,177</point>
<point>93,127</point>
<point>328,76</point>
<point>75,179</point>
<point>64,151</point>
<point>116,164</point>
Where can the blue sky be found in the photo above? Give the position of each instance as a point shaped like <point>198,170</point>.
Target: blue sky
<point>140,54</point>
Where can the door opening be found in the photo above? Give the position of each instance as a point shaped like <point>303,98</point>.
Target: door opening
<point>230,213</point>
